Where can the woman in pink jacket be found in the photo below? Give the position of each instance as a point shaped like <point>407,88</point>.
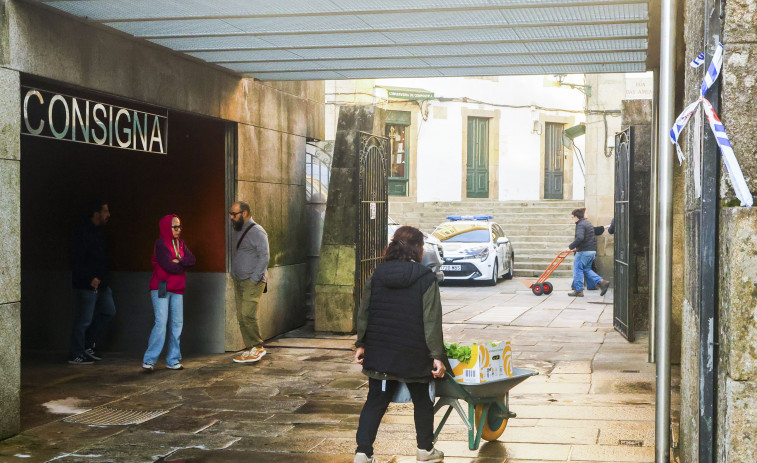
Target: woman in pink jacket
<point>170,258</point>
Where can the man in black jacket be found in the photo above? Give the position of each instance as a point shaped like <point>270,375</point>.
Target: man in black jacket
<point>89,277</point>
<point>585,247</point>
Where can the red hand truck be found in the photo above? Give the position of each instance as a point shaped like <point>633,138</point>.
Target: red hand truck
<point>541,285</point>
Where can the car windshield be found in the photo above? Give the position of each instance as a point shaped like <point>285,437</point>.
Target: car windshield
<point>462,233</point>
<point>473,236</point>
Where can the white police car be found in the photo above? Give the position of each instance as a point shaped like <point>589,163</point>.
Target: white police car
<point>475,248</point>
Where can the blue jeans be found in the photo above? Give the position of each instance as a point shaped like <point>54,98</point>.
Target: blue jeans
<point>169,311</point>
<point>93,312</point>
<point>582,268</point>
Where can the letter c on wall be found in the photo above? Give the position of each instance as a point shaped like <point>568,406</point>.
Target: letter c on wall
<point>41,126</point>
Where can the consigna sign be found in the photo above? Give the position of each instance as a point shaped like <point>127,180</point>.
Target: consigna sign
<point>63,117</point>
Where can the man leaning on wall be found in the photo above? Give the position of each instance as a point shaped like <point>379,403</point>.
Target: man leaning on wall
<point>249,261</point>
<point>89,278</point>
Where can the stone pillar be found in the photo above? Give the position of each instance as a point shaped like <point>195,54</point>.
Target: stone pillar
<point>737,381</point>
<point>10,252</point>
<point>607,91</point>
<point>737,284</point>
<point>335,284</point>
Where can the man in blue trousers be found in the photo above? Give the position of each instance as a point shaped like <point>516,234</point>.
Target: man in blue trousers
<point>585,247</point>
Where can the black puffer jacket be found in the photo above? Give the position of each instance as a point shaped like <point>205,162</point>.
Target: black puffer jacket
<point>585,238</point>
<point>395,341</point>
<point>88,256</point>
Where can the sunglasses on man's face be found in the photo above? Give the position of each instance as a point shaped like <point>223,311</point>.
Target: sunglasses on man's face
<point>234,214</point>
<point>177,227</point>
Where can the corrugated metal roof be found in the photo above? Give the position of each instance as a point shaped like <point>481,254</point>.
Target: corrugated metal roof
<point>349,39</point>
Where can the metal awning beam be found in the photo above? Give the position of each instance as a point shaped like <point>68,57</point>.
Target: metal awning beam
<point>434,57</point>
<point>445,72</point>
<point>514,27</point>
<point>461,6</point>
<point>470,50</point>
<point>416,44</point>
<point>399,67</point>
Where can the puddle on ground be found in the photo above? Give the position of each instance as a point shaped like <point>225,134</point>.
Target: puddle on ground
<point>67,406</point>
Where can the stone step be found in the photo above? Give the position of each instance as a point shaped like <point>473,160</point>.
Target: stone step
<point>540,238</point>
<point>536,273</point>
<point>539,256</point>
<point>536,263</point>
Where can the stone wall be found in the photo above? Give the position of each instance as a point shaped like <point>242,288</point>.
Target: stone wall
<point>737,382</point>
<point>737,282</point>
<point>10,253</point>
<point>274,119</point>
<point>638,115</point>
<point>335,282</point>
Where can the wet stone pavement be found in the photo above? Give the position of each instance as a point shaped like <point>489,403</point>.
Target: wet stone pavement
<point>593,400</point>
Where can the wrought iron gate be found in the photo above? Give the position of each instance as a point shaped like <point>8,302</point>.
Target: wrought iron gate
<point>373,207</point>
<point>622,317</point>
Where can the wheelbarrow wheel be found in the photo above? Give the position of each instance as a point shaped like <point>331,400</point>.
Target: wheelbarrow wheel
<point>537,289</point>
<point>496,421</point>
<point>548,287</point>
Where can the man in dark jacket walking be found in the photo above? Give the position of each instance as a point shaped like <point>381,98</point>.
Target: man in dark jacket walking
<point>585,247</point>
<point>89,277</point>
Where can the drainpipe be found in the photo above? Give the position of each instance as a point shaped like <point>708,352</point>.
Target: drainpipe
<point>653,214</point>
<point>668,17</point>
<point>708,246</point>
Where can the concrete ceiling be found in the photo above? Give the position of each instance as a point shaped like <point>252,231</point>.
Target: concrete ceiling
<point>354,39</point>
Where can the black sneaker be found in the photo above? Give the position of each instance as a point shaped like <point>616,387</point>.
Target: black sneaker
<point>80,360</point>
<point>576,294</point>
<point>91,354</point>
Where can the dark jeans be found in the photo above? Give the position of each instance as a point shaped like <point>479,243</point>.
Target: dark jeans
<point>375,407</point>
<point>93,312</point>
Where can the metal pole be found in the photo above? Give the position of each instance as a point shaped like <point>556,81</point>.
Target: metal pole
<point>665,227</point>
<point>653,214</point>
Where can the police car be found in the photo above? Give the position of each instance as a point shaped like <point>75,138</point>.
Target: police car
<point>475,248</point>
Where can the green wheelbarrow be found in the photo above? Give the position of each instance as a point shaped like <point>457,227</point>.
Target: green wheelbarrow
<point>488,405</point>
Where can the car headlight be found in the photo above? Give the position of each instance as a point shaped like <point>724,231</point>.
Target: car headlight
<point>483,255</point>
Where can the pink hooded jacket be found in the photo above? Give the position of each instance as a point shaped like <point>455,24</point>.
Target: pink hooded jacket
<point>165,251</point>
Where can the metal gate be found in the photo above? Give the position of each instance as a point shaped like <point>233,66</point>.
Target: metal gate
<point>373,207</point>
<point>622,317</point>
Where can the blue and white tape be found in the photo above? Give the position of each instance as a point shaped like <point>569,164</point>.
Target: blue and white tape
<point>713,71</point>
<point>698,61</point>
<point>724,144</point>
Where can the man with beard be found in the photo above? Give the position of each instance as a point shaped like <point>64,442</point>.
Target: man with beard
<point>249,261</point>
<point>89,277</point>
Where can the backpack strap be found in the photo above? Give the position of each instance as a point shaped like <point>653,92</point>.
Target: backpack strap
<point>239,243</point>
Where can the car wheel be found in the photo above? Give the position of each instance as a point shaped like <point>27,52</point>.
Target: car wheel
<point>494,279</point>
<point>509,274</point>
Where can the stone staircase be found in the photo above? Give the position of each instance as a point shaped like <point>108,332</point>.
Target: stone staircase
<point>538,230</point>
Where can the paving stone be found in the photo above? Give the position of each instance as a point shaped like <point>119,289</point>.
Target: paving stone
<point>613,453</point>
<point>302,403</point>
<point>572,367</point>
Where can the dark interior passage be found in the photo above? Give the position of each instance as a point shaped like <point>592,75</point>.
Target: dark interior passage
<point>59,177</point>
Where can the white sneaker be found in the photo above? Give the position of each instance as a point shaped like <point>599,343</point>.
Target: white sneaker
<point>429,456</point>
<point>148,366</point>
<point>360,457</point>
